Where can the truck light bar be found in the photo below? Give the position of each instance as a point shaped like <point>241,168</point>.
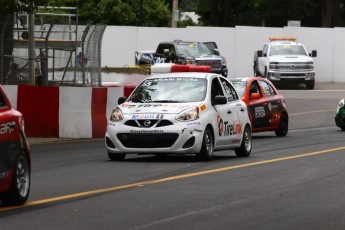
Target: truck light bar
<point>282,38</point>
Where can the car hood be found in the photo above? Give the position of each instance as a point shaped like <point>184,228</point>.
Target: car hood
<point>155,108</point>
<point>290,58</point>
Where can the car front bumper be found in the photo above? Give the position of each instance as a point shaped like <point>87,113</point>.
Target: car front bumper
<point>180,138</point>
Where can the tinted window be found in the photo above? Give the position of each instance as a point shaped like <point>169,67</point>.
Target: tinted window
<point>269,91</point>
<point>2,100</point>
<point>229,90</point>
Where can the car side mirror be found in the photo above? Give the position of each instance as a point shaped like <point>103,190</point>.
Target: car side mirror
<point>220,100</point>
<point>121,100</point>
<point>259,53</point>
<point>254,96</point>
<point>216,51</point>
<point>313,53</point>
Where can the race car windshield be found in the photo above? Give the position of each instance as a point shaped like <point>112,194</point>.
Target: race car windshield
<point>170,90</point>
<point>194,50</point>
<point>240,87</point>
<point>287,50</point>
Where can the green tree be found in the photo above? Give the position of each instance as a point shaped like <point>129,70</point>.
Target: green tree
<point>121,12</point>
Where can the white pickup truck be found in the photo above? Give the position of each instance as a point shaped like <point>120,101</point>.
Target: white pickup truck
<point>283,60</point>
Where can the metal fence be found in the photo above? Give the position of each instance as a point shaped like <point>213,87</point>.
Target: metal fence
<point>65,54</point>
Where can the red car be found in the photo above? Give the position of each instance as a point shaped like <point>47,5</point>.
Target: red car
<point>266,107</point>
<point>15,163</point>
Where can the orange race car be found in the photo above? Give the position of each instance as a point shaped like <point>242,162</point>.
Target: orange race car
<point>266,107</point>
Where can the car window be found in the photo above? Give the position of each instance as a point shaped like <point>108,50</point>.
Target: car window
<point>170,90</point>
<point>268,90</point>
<point>216,89</point>
<point>230,91</point>
<point>162,47</point>
<point>2,100</point>
<point>254,88</point>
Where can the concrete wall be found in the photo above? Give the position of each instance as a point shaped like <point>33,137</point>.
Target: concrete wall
<point>237,45</point>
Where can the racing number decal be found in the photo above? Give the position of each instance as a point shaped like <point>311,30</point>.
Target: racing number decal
<point>220,125</point>
<point>260,112</point>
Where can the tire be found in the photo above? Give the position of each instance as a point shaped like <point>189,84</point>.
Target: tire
<point>206,152</point>
<point>246,146</point>
<point>117,156</point>
<point>310,85</point>
<point>283,126</point>
<point>21,181</point>
<point>342,128</point>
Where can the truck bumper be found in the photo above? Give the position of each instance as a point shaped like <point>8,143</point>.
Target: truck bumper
<point>298,77</point>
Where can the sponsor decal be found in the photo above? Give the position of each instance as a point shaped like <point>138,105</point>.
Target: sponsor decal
<point>194,123</point>
<point>160,60</point>
<point>146,131</point>
<point>232,129</point>
<point>7,127</point>
<point>146,116</point>
<point>236,141</point>
<point>163,105</point>
<point>220,125</point>
<point>260,111</point>
<point>203,107</point>
<point>127,106</point>
<point>227,129</point>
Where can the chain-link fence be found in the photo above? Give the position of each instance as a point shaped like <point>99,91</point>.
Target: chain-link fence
<point>65,54</point>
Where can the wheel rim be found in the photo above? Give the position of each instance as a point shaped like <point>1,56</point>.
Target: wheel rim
<point>23,176</point>
<point>247,140</point>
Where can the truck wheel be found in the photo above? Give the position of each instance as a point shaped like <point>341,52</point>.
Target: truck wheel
<point>310,84</point>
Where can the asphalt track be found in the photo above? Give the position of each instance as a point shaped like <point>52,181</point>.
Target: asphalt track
<point>293,182</point>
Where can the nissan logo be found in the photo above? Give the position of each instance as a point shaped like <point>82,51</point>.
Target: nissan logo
<point>147,123</point>
<point>292,66</point>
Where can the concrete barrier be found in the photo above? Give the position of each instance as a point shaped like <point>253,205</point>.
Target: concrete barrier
<point>65,112</point>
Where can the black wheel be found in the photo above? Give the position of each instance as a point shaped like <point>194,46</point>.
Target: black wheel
<point>246,146</point>
<point>20,185</point>
<point>342,128</point>
<point>283,126</point>
<point>206,152</point>
<point>117,156</point>
<point>310,85</point>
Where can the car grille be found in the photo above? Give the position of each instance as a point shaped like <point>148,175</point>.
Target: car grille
<point>148,123</point>
<point>214,64</point>
<point>147,140</point>
<point>293,66</point>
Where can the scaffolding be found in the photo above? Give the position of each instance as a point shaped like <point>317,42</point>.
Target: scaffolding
<point>65,53</point>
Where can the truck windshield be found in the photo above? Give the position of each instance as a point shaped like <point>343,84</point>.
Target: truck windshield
<point>191,49</point>
<point>287,50</point>
<point>170,90</point>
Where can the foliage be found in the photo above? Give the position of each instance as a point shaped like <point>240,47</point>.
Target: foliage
<point>28,6</point>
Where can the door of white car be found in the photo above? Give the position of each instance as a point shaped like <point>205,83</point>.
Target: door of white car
<point>226,133</point>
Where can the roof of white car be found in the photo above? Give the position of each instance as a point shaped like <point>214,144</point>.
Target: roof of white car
<point>183,74</point>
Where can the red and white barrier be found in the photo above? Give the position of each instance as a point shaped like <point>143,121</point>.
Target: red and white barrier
<point>70,112</point>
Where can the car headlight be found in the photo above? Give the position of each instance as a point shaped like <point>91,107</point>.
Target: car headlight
<point>116,115</point>
<point>189,114</point>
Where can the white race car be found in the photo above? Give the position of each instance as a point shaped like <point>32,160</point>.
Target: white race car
<point>180,113</point>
